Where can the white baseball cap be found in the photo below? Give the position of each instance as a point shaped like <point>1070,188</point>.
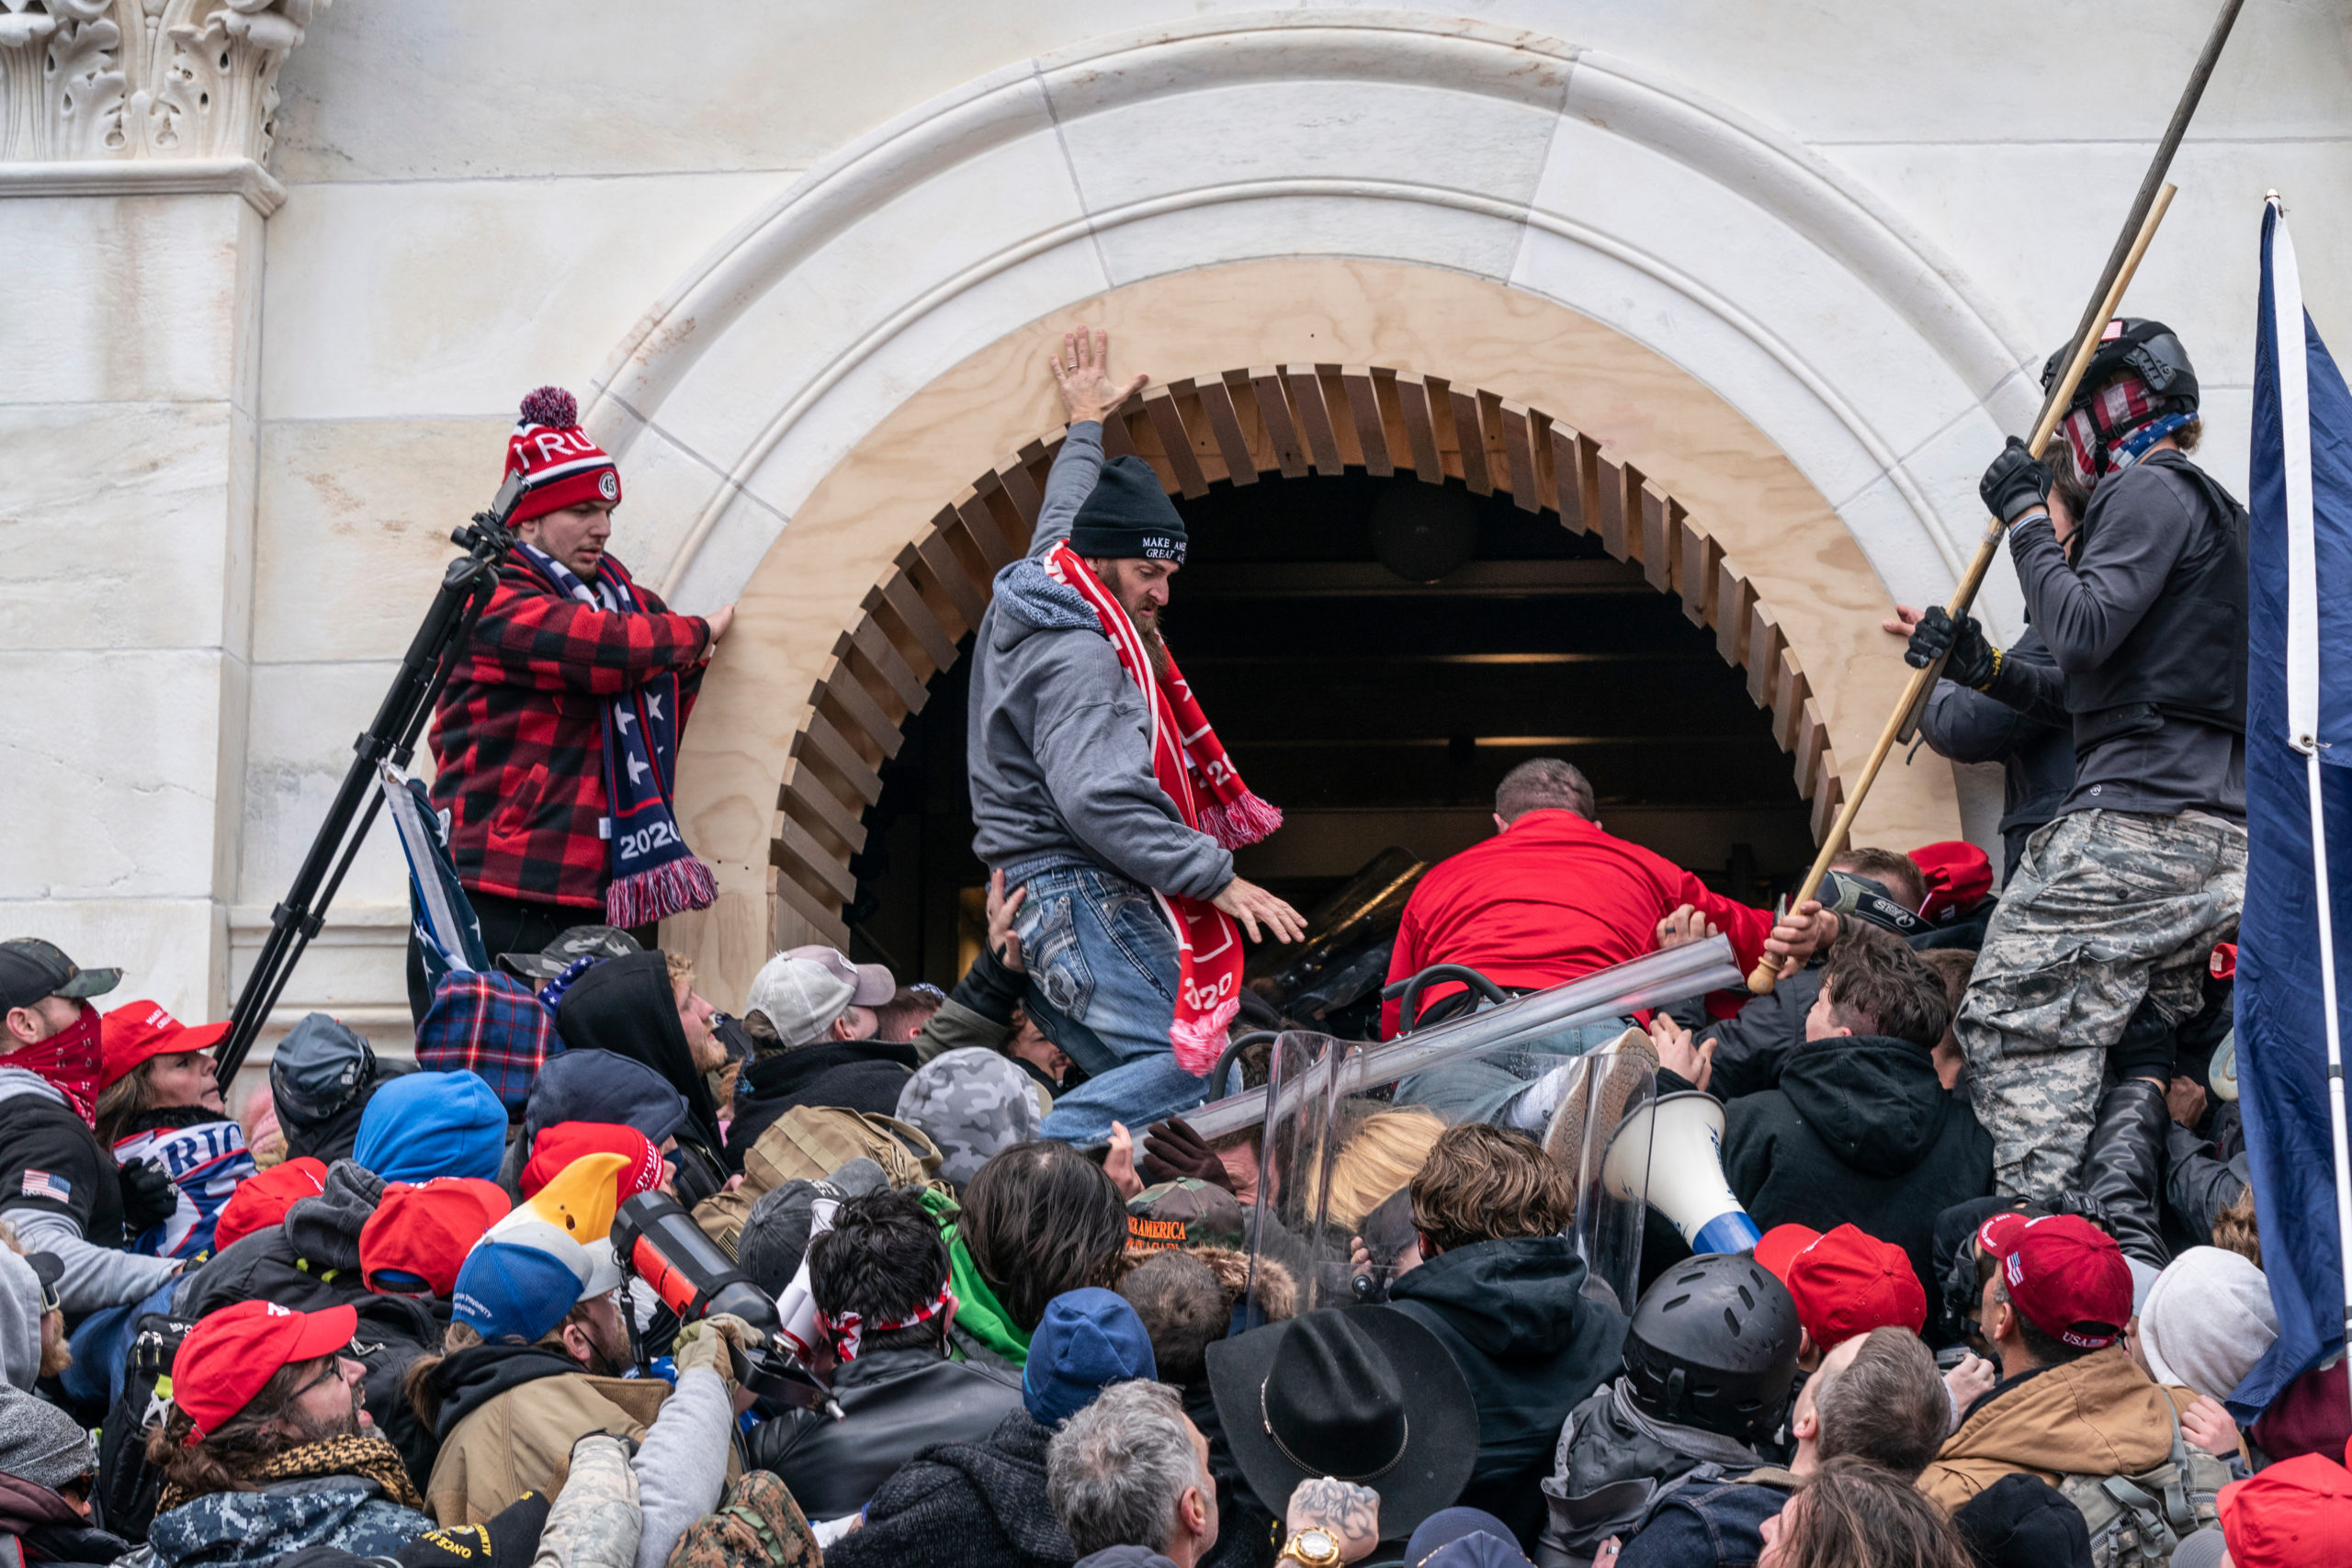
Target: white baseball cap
<point>873,983</point>
<point>800,997</point>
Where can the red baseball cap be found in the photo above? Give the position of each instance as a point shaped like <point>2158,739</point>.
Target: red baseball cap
<point>417,1239</point>
<point>1957,874</point>
<point>136,1032</point>
<point>261,1201</point>
<point>1849,1282</point>
<point>227,1357</point>
<point>2064,1274</point>
<point>559,1145</point>
<point>1780,1246</point>
<point>2296,1514</point>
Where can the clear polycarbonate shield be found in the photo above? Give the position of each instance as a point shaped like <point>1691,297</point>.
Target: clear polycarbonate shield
<point>1653,980</point>
<point>1596,1131</point>
<point>1296,1262</point>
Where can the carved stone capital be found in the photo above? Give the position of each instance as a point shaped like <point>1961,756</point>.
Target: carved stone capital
<point>144,79</point>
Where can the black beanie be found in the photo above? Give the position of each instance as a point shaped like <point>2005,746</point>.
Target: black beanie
<point>1128,516</point>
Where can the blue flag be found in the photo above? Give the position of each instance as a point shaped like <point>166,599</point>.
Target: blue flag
<point>2299,707</point>
<point>448,933</point>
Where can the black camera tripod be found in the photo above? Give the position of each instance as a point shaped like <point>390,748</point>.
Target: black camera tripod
<point>433,653</point>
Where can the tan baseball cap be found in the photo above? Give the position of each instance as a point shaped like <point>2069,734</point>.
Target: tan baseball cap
<point>871,984</point>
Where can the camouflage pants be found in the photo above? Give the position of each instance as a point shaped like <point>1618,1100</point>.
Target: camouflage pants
<point>2107,907</point>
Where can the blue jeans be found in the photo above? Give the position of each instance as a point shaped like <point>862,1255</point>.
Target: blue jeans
<point>1103,970</point>
<point>1478,1090</point>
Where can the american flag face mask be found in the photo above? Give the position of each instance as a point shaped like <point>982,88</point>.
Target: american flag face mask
<point>2119,424</point>
<point>848,1330</point>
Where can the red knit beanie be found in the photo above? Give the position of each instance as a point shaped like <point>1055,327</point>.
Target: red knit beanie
<point>559,464</point>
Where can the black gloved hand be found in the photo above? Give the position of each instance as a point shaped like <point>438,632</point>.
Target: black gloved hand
<point>148,1196</point>
<point>1968,658</point>
<point>2015,483</point>
<point>1173,1151</point>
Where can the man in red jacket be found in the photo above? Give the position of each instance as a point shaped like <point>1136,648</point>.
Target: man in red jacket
<point>1550,899</point>
<point>556,738</point>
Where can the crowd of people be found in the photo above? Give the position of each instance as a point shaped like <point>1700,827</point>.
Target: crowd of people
<point>872,1274</point>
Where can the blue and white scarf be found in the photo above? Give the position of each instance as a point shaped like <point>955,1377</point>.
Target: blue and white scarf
<point>651,872</point>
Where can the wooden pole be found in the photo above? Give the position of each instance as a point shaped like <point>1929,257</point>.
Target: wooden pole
<point>1766,972</point>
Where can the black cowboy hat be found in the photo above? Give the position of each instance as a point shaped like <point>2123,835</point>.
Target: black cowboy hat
<point>1363,1394</point>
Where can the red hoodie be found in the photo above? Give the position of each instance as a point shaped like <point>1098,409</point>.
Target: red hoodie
<point>1553,898</point>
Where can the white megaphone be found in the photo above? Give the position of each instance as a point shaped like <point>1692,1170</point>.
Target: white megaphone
<point>1669,1153</point>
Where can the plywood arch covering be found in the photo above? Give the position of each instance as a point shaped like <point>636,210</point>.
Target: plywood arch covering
<point>1317,364</point>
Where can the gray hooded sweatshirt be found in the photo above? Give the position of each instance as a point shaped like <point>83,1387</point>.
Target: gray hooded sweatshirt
<point>95,1276</point>
<point>1059,746</point>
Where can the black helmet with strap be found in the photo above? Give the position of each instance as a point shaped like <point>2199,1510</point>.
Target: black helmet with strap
<point>2148,349</point>
<point>1714,1344</point>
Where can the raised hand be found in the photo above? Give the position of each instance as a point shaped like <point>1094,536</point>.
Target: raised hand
<point>1082,371</point>
<point>1003,941</point>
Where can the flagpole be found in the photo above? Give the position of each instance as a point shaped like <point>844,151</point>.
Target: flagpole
<point>2302,679</point>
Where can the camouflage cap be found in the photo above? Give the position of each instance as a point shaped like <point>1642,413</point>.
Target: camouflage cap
<point>577,942</point>
<point>1187,1212</point>
<point>971,1104</point>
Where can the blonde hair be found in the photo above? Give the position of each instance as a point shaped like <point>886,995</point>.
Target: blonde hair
<point>682,970</point>
<point>1377,1160</point>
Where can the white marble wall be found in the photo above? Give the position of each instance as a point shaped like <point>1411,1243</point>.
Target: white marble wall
<point>481,199</point>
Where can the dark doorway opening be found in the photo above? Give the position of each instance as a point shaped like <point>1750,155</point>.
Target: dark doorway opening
<point>1376,653</point>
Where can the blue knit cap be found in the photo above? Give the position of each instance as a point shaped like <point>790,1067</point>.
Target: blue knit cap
<point>427,1124</point>
<point>1088,1340</point>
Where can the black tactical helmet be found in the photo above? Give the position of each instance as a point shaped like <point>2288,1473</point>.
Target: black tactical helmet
<point>1714,1344</point>
<point>2146,348</point>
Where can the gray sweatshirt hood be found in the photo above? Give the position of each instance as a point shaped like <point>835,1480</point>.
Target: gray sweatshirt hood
<point>1029,600</point>
<point>14,1081</point>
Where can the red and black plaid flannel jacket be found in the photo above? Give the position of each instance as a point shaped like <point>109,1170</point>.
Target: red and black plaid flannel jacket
<point>518,736</point>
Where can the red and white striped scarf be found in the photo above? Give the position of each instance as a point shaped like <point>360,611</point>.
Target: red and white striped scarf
<point>1191,765</point>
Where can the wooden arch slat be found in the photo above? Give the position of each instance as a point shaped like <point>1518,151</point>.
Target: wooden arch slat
<point>1291,418</point>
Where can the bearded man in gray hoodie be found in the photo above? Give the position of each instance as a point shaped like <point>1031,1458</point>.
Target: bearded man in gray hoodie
<point>1099,791</point>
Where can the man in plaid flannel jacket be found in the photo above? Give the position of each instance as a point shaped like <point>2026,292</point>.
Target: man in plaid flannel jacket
<point>517,736</point>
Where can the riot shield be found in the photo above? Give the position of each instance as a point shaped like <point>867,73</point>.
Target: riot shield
<point>1295,1264</point>
<point>1598,1115</point>
<point>1652,980</point>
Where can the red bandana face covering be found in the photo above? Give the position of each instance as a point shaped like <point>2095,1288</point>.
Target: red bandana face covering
<point>1191,766</point>
<point>848,1331</point>
<point>68,1059</point>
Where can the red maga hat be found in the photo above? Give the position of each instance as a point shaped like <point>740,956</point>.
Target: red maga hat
<point>559,1145</point>
<point>227,1357</point>
<point>417,1239</point>
<point>1957,875</point>
<point>261,1201</point>
<point>139,1032</point>
<point>1849,1282</point>
<point>2064,1275</point>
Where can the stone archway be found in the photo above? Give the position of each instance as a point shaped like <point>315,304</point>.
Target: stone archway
<point>1238,426</point>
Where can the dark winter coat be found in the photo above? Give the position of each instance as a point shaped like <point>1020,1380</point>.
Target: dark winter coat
<point>859,1074</point>
<point>518,734</point>
<point>1860,1132</point>
<point>1755,1044</point>
<point>1530,1345</point>
<point>965,1506</point>
<point>893,1403</point>
<point>48,1530</point>
<point>2037,757</point>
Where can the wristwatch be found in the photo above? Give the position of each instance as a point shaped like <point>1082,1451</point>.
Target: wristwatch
<point>1312,1547</point>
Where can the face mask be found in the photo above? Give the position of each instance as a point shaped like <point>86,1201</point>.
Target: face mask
<point>68,1060</point>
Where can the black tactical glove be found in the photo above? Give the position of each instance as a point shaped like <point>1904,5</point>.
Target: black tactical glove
<point>1972,661</point>
<point>1173,1151</point>
<point>2015,483</point>
<point>148,1196</point>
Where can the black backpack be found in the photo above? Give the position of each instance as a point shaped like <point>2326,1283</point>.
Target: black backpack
<point>123,1498</point>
